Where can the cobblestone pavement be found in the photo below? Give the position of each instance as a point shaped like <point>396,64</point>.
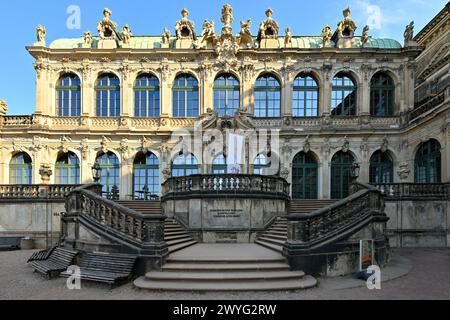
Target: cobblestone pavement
<point>428,279</point>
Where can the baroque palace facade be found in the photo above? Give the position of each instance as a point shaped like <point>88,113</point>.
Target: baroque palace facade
<point>334,99</point>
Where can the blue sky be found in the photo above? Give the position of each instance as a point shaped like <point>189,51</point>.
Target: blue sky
<point>18,21</point>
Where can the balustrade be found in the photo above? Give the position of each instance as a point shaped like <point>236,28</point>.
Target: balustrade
<point>54,192</point>
<point>415,190</point>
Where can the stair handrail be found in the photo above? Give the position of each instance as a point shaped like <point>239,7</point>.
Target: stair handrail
<point>86,201</point>
<point>319,226</point>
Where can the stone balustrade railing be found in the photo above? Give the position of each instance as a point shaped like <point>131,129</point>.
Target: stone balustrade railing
<point>317,228</point>
<point>15,121</point>
<point>226,184</point>
<point>415,190</point>
<point>43,192</point>
<point>417,112</point>
<point>115,219</point>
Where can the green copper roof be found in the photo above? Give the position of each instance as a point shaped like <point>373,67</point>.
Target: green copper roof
<point>297,43</point>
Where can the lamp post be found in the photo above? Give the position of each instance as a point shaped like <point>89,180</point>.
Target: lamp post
<point>96,172</point>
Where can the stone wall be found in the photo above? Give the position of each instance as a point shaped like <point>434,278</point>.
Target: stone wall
<point>39,220</point>
<point>418,223</point>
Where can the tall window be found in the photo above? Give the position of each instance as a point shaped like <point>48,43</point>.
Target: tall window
<point>146,176</point>
<point>343,99</point>
<point>381,168</point>
<point>220,165</point>
<point>68,96</point>
<point>146,96</point>
<point>110,165</point>
<point>305,100</point>
<point>382,95</point>
<point>184,166</point>
<point>108,96</point>
<point>341,169</point>
<point>427,164</point>
<point>20,169</point>
<point>185,97</point>
<point>267,97</point>
<point>305,176</point>
<point>67,169</point>
<point>226,95</point>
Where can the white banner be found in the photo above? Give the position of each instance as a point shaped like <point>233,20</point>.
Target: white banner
<point>236,152</point>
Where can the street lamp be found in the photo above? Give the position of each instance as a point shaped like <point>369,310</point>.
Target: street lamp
<point>96,172</point>
<point>355,171</point>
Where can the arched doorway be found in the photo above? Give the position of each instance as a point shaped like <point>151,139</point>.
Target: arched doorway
<point>146,176</point>
<point>305,176</point>
<point>341,174</point>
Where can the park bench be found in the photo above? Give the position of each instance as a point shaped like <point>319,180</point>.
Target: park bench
<point>10,243</point>
<point>41,255</point>
<point>59,260</point>
<point>105,268</point>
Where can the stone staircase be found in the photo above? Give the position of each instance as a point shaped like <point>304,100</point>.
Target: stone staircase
<point>213,270</point>
<point>275,237</point>
<point>176,237</point>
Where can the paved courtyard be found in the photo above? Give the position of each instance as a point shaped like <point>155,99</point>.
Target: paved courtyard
<point>418,273</point>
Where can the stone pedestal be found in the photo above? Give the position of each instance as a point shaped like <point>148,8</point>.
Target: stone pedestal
<point>107,44</point>
<point>269,44</point>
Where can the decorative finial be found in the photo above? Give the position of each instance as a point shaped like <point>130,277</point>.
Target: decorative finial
<point>3,107</point>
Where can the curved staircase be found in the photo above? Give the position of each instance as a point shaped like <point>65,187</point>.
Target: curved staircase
<point>276,236</point>
<point>212,267</point>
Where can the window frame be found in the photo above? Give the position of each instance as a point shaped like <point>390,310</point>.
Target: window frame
<point>152,106</point>
<point>186,89</point>
<point>304,90</point>
<point>108,89</point>
<point>267,89</point>
<point>376,89</point>
<point>71,89</point>
<point>61,167</point>
<point>147,168</point>
<point>345,91</point>
<point>229,92</point>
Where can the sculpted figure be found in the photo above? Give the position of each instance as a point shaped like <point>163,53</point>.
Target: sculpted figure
<point>166,36</point>
<point>409,32</point>
<point>40,34</point>
<point>208,33</point>
<point>126,34</point>
<point>87,38</point>
<point>365,35</point>
<point>243,118</point>
<point>269,28</point>
<point>3,107</point>
<point>185,28</point>
<point>107,28</point>
<point>245,35</point>
<point>211,118</point>
<point>327,33</point>
<point>347,27</point>
<point>288,37</point>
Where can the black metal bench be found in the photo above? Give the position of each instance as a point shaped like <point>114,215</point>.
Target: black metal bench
<point>10,243</point>
<point>58,261</point>
<point>41,255</point>
<point>106,268</point>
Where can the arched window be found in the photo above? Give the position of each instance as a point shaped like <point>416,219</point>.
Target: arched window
<point>110,165</point>
<point>146,176</point>
<point>343,99</point>
<point>68,96</point>
<point>382,96</point>
<point>305,100</point>
<point>381,168</point>
<point>108,96</point>
<point>427,164</point>
<point>266,164</point>
<point>185,97</point>
<point>20,169</point>
<point>220,165</point>
<point>341,174</point>
<point>146,96</point>
<point>305,176</point>
<point>226,95</point>
<point>67,169</point>
<point>267,97</point>
<point>184,166</point>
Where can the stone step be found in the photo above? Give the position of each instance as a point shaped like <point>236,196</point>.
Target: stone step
<point>230,267</point>
<point>269,245</point>
<point>224,276</point>
<point>178,241</point>
<point>271,240</point>
<point>176,237</point>
<point>278,233</point>
<point>181,246</point>
<point>282,237</point>
<point>265,285</point>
